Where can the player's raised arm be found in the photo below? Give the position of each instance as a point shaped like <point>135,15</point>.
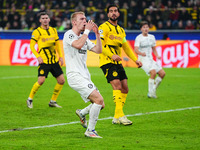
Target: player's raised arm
<point>87,27</point>
<point>98,47</point>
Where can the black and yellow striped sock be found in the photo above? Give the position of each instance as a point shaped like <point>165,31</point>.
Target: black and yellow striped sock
<point>34,89</point>
<point>118,104</point>
<point>56,91</point>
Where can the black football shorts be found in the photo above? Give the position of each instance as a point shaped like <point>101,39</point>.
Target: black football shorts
<point>44,69</point>
<point>114,71</point>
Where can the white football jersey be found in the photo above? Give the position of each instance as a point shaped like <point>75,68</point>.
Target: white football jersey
<point>145,44</point>
<point>75,59</point>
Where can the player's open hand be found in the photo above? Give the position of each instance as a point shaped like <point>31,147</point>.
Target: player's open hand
<point>143,54</point>
<point>159,57</point>
<point>139,63</point>
<point>95,29</point>
<point>89,25</point>
<point>40,60</point>
<point>116,58</point>
<point>61,61</point>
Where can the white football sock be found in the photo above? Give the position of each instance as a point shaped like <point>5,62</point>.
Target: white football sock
<point>86,110</point>
<point>94,114</point>
<point>157,82</point>
<point>151,85</point>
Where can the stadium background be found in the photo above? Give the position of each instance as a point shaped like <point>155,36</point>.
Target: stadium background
<point>175,25</point>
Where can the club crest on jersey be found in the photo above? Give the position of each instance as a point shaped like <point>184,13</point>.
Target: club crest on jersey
<point>114,73</point>
<point>41,71</point>
<point>90,86</point>
<point>71,36</point>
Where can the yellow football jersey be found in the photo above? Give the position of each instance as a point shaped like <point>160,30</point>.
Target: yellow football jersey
<point>112,39</point>
<point>46,39</point>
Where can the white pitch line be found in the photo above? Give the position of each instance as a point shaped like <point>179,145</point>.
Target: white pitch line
<point>75,122</point>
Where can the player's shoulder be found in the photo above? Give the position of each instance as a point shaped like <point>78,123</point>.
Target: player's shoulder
<point>69,34</point>
<point>52,28</point>
<point>139,36</point>
<point>37,31</point>
<point>151,35</point>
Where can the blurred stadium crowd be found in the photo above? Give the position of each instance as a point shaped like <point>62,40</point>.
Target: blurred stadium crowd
<point>161,14</point>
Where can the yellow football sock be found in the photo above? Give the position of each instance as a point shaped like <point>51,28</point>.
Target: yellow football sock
<point>124,95</point>
<point>56,91</point>
<point>118,104</point>
<point>34,89</point>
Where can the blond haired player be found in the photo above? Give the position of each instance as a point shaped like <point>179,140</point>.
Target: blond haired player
<point>48,42</point>
<point>75,47</point>
<point>113,39</point>
<point>144,44</point>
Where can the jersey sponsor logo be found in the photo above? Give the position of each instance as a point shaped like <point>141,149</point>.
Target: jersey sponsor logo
<point>112,37</point>
<point>114,73</point>
<point>90,86</point>
<point>48,39</point>
<point>82,51</point>
<point>71,36</point>
<point>41,71</point>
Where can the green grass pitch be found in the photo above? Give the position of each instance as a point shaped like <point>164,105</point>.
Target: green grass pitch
<point>152,129</point>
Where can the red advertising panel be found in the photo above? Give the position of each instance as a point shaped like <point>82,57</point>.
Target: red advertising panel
<point>173,54</point>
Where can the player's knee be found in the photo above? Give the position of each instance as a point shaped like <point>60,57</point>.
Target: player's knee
<point>125,90</point>
<point>162,74</point>
<point>99,101</point>
<point>40,82</point>
<point>62,81</point>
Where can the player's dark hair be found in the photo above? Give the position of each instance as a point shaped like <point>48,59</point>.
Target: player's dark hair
<point>143,23</point>
<point>42,13</point>
<point>112,5</point>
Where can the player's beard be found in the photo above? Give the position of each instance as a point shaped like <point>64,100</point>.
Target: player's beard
<point>114,19</point>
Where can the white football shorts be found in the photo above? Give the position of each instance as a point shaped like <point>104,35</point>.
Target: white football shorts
<point>83,86</point>
<point>148,65</point>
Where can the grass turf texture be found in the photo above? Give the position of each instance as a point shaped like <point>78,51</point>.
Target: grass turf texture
<point>163,131</point>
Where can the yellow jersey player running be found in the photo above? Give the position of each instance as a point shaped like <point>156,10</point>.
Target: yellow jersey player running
<point>113,39</point>
<point>48,42</point>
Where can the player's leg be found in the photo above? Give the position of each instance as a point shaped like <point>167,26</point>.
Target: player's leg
<point>81,113</point>
<point>111,73</point>
<point>34,89</point>
<point>161,75</point>
<point>124,91</point>
<point>43,71</point>
<point>117,98</point>
<point>58,74</point>
<point>97,100</point>
<point>151,84</point>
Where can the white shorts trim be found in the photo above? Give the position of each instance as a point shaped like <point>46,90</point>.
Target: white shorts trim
<point>82,85</point>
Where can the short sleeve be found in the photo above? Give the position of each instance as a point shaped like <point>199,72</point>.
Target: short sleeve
<point>70,37</point>
<point>137,41</point>
<point>154,41</point>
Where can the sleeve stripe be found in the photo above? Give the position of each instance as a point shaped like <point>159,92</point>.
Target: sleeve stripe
<point>39,32</point>
<point>34,39</point>
<point>102,38</point>
<point>56,39</point>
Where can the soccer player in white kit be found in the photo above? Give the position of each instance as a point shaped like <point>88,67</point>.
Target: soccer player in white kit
<point>144,44</point>
<point>75,47</point>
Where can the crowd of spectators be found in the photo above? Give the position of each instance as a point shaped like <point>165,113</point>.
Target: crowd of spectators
<point>161,14</point>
